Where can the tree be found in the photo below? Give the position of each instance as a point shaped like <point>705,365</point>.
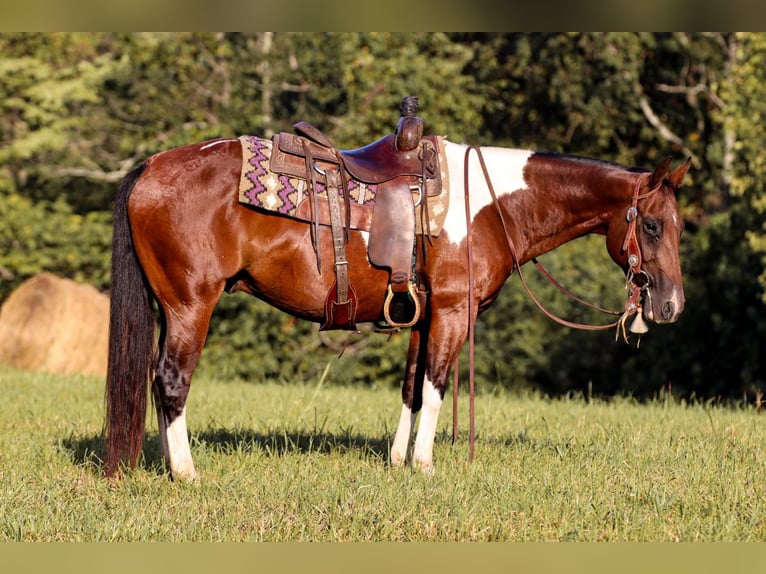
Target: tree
<point>79,110</point>
<point>53,238</point>
<point>746,114</point>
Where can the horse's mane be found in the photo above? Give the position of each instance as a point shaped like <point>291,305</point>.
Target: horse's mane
<point>590,161</point>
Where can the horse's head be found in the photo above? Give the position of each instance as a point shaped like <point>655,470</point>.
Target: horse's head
<point>643,238</point>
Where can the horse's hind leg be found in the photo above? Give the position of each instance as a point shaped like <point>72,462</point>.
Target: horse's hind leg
<point>181,343</point>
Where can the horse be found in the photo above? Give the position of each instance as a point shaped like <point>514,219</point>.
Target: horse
<point>181,239</point>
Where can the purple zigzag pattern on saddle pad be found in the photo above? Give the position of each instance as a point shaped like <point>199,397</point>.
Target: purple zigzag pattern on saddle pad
<point>262,188</point>
<point>288,194</point>
<point>257,162</point>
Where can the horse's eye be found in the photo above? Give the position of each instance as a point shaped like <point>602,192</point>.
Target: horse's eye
<point>652,228</point>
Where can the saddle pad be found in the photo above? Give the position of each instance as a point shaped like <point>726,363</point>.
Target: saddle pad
<point>261,188</point>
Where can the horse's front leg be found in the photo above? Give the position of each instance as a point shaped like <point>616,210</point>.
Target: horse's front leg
<point>432,353</point>
<point>423,452</point>
<point>411,396</point>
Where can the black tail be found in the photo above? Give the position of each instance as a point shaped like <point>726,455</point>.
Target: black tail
<point>131,341</point>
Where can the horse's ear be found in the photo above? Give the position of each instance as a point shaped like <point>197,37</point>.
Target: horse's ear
<point>678,174</point>
<point>660,173</point>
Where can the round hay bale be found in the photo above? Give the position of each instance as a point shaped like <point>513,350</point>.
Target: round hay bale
<point>55,325</point>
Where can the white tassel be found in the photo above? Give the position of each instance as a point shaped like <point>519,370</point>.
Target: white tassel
<point>639,326</point>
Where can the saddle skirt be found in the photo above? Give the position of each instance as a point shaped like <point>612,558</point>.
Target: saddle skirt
<point>282,191</point>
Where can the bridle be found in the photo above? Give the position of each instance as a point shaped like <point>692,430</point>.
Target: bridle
<point>631,247</point>
<point>635,291</point>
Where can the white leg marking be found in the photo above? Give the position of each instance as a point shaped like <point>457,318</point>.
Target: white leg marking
<point>402,437</point>
<point>506,169</point>
<point>423,453</point>
<point>181,465</point>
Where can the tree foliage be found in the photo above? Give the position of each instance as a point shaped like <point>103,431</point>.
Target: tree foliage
<point>78,110</point>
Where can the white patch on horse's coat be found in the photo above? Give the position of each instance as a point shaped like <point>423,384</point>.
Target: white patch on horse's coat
<point>675,298</point>
<point>422,454</point>
<point>181,464</point>
<point>213,143</point>
<point>402,437</point>
<point>365,235</point>
<point>506,169</point>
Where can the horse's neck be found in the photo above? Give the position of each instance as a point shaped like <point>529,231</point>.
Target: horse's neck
<point>547,200</point>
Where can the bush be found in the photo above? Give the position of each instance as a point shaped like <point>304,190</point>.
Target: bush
<point>50,237</point>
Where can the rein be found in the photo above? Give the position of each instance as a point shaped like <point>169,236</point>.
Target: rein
<point>632,304</point>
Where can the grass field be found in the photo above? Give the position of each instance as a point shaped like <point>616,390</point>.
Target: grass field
<point>309,463</point>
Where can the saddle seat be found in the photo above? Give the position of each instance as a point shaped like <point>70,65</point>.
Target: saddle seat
<point>375,163</point>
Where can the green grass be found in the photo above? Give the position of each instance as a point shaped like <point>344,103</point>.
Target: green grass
<point>299,462</point>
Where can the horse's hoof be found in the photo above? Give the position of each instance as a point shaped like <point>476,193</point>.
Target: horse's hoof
<point>397,459</point>
<point>187,478</point>
<point>186,475</point>
<point>425,467</point>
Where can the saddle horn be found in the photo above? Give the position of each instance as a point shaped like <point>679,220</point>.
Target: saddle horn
<point>409,130</point>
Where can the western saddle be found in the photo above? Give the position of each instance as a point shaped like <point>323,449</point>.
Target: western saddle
<point>396,165</point>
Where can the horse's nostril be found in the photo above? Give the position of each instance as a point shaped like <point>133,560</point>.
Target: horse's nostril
<point>668,309</point>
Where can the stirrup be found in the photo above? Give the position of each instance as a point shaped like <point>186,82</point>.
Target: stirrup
<point>387,307</point>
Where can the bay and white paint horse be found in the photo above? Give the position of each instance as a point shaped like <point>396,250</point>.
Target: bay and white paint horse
<point>181,239</point>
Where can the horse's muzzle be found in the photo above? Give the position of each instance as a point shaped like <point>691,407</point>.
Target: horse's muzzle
<point>667,311</point>
<point>668,307</point>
